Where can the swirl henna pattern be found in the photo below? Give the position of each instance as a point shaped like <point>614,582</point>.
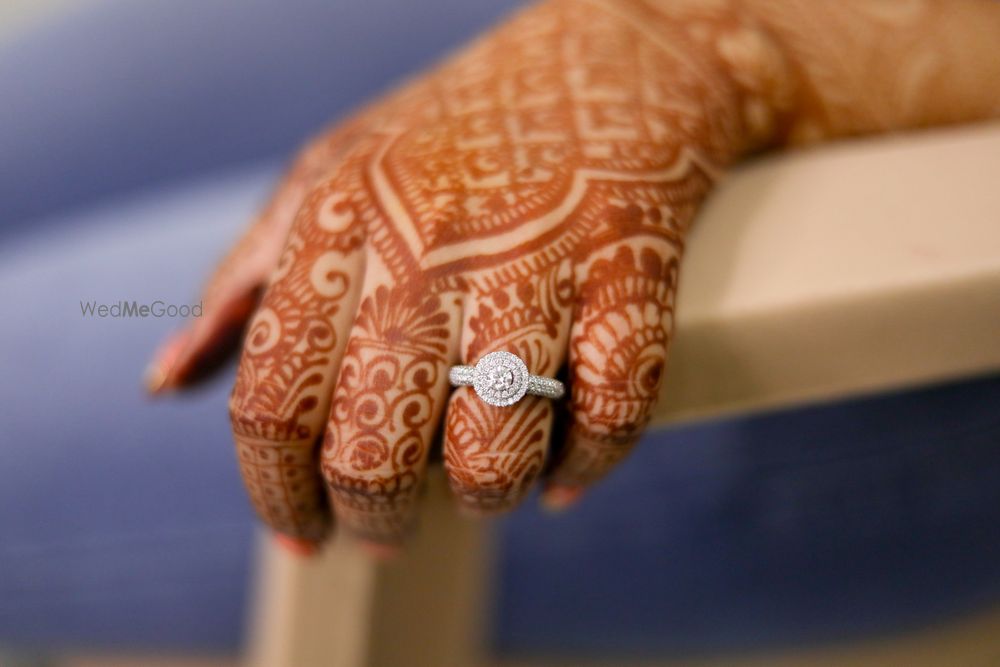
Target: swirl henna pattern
<point>385,408</point>
<point>532,194</point>
<point>281,396</point>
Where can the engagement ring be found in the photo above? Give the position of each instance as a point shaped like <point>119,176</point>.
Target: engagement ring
<point>502,379</point>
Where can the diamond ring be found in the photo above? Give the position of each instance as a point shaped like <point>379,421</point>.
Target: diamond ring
<point>502,379</point>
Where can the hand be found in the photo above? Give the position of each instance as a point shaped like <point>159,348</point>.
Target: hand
<point>531,194</point>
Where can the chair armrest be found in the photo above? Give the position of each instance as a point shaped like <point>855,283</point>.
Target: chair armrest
<point>867,266</point>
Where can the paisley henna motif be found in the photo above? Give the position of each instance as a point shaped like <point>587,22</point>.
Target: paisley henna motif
<point>618,353</point>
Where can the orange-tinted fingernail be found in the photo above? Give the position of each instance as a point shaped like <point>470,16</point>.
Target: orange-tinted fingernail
<point>157,373</point>
<point>296,546</point>
<point>379,551</point>
<point>557,498</point>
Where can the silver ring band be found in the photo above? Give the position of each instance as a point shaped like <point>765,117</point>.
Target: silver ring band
<point>501,379</point>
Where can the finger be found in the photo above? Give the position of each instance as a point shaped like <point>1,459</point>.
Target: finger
<point>290,358</point>
<point>494,454</point>
<point>617,354</point>
<point>233,291</point>
<point>387,405</point>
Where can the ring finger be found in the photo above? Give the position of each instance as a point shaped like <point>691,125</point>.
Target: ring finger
<point>494,454</point>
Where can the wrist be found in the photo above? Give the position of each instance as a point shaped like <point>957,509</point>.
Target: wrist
<point>726,66</point>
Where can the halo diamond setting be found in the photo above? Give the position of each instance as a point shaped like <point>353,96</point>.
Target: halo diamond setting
<point>502,379</point>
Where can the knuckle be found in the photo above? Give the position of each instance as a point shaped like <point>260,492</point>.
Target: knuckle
<point>492,490</point>
<point>353,480</point>
<point>611,420</point>
<point>499,474</point>
<point>265,423</point>
<point>348,483</point>
<point>372,505</point>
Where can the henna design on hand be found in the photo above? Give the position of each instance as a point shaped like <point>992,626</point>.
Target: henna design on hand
<point>499,196</point>
<point>532,194</point>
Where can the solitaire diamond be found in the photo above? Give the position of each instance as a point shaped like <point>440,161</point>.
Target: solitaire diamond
<point>500,378</point>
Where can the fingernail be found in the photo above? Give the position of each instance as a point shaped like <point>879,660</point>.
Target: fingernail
<point>154,378</point>
<point>157,373</point>
<point>379,551</point>
<point>556,499</point>
<point>296,546</point>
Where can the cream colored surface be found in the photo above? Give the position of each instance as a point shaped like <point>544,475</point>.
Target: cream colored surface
<point>342,609</point>
<point>858,267</point>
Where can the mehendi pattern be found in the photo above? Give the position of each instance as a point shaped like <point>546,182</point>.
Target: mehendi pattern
<point>532,194</point>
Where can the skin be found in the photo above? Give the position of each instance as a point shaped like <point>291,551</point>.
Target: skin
<point>531,194</point>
